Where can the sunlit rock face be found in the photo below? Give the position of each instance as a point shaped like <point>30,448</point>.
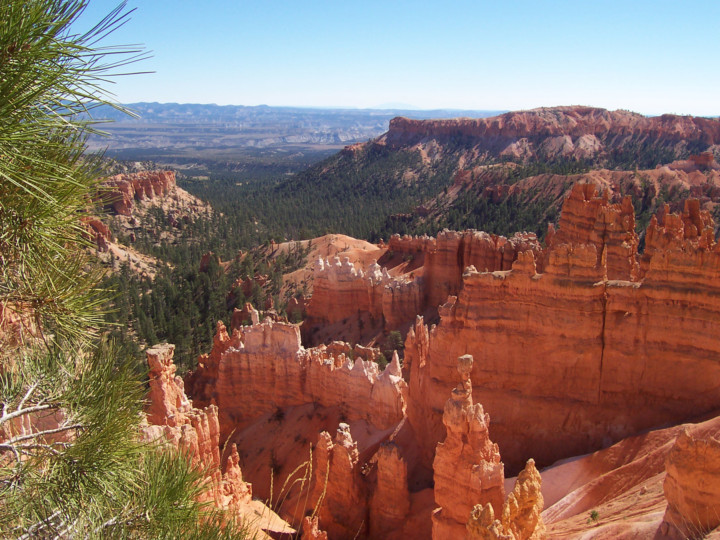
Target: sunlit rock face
<point>567,132</point>
<point>264,367</point>
<point>467,467</point>
<point>569,360</point>
<point>173,419</point>
<point>692,487</point>
<point>575,346</point>
<point>122,190</point>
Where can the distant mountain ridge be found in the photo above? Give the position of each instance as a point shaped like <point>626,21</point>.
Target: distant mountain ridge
<point>199,112</point>
<point>415,173</point>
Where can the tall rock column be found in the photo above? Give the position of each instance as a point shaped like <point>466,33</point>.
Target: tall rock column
<point>391,500</point>
<point>467,466</point>
<point>338,496</point>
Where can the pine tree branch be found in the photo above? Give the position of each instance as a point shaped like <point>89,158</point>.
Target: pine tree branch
<point>21,412</point>
<point>12,442</point>
<point>28,394</point>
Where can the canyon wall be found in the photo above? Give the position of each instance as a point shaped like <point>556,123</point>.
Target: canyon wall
<point>263,367</point>
<point>567,361</point>
<point>574,347</point>
<point>343,293</point>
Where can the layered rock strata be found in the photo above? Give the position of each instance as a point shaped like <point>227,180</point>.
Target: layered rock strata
<point>264,367</point>
<point>588,217</point>
<point>692,487</point>
<point>569,132</point>
<point>342,292</point>
<point>574,347</point>
<point>568,360</point>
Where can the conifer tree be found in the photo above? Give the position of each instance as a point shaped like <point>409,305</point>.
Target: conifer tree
<point>71,464</point>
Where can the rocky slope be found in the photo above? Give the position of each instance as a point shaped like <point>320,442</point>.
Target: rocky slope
<point>147,203</point>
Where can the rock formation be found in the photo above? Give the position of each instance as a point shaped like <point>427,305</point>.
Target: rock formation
<point>311,530</point>
<point>99,233</point>
<point>391,498</point>
<point>520,518</point>
<point>264,367</point>
<point>588,218</point>
<point>172,418</point>
<point>342,292</point>
<point>692,487</point>
<point>575,132</point>
<point>122,190</point>
<point>627,354</point>
<point>467,466</point>
<point>575,346</point>
<point>338,496</point>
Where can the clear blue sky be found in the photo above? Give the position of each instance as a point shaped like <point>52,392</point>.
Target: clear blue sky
<point>647,56</point>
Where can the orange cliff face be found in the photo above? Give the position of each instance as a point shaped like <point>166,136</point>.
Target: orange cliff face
<point>173,419</point>
<point>568,361</point>
<point>122,190</point>
<point>275,397</point>
<point>366,303</point>
<point>263,367</point>
<point>575,346</point>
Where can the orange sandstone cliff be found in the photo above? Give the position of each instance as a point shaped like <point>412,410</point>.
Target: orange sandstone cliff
<point>172,418</point>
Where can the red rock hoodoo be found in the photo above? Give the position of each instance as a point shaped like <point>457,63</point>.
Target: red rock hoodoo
<point>467,466</point>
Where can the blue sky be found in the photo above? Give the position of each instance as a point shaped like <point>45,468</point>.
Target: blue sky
<point>652,57</point>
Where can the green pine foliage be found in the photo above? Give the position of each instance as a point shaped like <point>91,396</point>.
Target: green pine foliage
<point>71,462</point>
<point>181,305</point>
